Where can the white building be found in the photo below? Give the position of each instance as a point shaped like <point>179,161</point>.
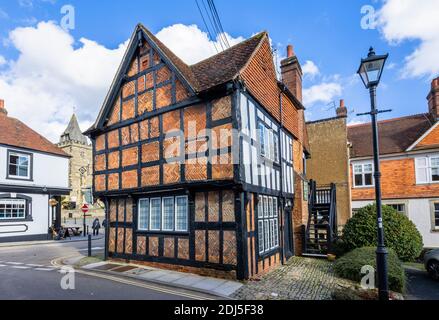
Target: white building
<point>32,171</point>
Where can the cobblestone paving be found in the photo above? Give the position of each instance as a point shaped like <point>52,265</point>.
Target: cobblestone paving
<point>299,279</point>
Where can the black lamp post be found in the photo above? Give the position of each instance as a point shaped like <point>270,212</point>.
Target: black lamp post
<point>370,72</point>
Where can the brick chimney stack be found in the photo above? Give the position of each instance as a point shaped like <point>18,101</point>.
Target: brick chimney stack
<point>433,99</point>
<point>342,111</point>
<point>292,73</point>
<point>2,108</point>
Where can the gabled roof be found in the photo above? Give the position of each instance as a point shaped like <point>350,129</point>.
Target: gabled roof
<point>15,133</point>
<point>73,132</point>
<point>200,77</point>
<point>396,135</point>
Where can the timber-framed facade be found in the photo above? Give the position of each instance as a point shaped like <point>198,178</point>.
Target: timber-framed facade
<point>196,164</point>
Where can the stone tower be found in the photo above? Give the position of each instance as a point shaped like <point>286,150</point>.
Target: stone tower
<point>74,143</point>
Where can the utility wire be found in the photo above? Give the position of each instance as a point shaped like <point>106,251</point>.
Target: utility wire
<point>213,25</point>
<point>206,25</point>
<point>218,19</point>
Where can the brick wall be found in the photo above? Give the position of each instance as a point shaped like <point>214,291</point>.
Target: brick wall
<point>260,78</point>
<point>205,250</point>
<point>398,182</point>
<point>119,149</point>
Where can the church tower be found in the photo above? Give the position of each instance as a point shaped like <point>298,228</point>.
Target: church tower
<point>74,143</point>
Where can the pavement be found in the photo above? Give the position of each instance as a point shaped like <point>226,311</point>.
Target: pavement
<point>39,243</point>
<point>30,272</point>
<point>187,281</point>
<point>420,286</point>
<point>299,279</point>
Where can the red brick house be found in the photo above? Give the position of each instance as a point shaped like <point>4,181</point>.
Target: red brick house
<point>409,148</point>
<point>201,167</point>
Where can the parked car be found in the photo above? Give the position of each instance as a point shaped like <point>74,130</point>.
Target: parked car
<point>432,263</point>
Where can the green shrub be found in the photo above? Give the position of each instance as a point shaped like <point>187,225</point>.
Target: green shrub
<point>400,233</point>
<point>349,267</point>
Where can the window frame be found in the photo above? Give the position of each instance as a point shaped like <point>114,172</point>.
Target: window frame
<point>428,169</point>
<point>434,220</point>
<point>29,176</point>
<point>27,207</point>
<point>161,201</point>
<point>268,225</point>
<point>187,213</point>
<point>363,174</point>
<point>269,142</point>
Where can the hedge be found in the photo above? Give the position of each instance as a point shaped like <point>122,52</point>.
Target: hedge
<point>349,267</point>
<point>400,233</point>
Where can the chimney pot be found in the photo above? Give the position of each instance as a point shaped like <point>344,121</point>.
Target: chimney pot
<point>342,111</point>
<point>290,51</point>
<point>2,107</point>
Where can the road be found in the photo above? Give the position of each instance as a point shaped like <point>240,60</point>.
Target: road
<point>420,286</point>
<point>27,274</point>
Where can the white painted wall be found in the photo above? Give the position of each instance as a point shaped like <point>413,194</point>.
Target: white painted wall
<point>419,211</point>
<point>39,225</point>
<point>48,170</point>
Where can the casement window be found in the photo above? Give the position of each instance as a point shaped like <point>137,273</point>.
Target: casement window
<point>181,219</point>
<point>427,169</point>
<point>19,165</point>
<point>155,214</point>
<point>400,207</point>
<point>268,224</point>
<point>143,214</point>
<point>12,209</point>
<point>168,214</point>
<point>363,175</point>
<point>269,142</point>
<point>435,217</point>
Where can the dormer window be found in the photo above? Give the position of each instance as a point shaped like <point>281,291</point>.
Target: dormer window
<point>19,165</point>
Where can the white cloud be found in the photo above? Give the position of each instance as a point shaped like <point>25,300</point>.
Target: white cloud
<point>190,43</point>
<point>310,69</point>
<point>51,76</point>
<point>357,122</point>
<point>2,61</point>
<point>54,74</point>
<point>402,20</point>
<point>323,93</point>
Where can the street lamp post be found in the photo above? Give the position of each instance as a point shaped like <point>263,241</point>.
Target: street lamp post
<point>370,72</point>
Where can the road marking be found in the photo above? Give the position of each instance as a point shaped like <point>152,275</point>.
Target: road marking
<point>44,269</point>
<point>15,263</point>
<point>55,263</point>
<point>35,265</point>
<point>20,267</point>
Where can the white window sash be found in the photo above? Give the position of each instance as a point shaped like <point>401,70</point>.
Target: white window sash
<point>165,217</point>
<point>422,171</point>
<point>18,165</point>
<point>177,218</point>
<point>140,218</point>
<point>153,200</point>
<point>261,236</point>
<point>11,207</point>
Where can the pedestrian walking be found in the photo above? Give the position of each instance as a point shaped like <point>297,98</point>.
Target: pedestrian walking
<point>96,226</point>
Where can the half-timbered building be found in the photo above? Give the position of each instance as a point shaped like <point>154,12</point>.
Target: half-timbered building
<point>202,167</point>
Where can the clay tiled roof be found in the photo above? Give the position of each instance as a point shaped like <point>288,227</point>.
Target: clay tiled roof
<point>216,70</point>
<point>396,135</point>
<point>226,65</point>
<point>15,133</point>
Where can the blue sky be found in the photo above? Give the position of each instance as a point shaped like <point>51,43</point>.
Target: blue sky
<point>327,36</point>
